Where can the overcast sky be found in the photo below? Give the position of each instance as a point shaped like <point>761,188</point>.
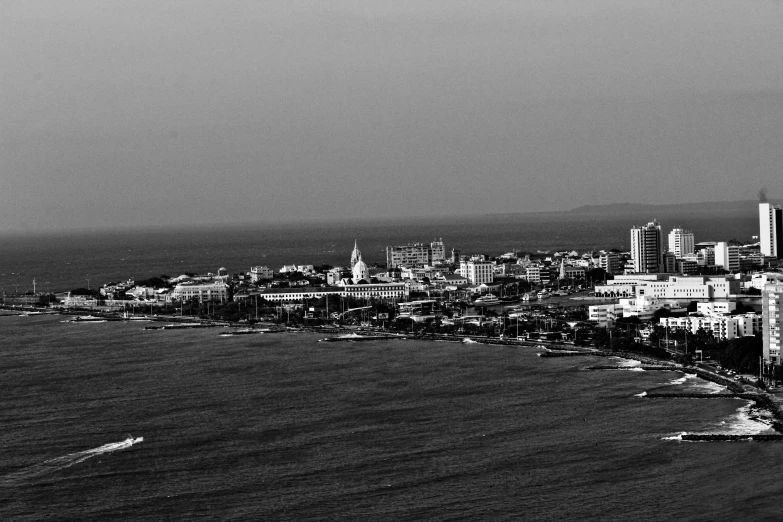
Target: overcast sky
<point>169,112</point>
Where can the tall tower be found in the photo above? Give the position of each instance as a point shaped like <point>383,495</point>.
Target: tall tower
<point>772,321</point>
<point>771,230</point>
<point>356,256</point>
<point>680,242</point>
<point>646,248</point>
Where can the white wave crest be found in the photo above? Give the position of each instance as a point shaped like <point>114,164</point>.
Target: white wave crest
<point>748,420</point>
<point>626,363</point>
<point>711,387</point>
<point>675,437</point>
<point>66,461</point>
<point>683,379</point>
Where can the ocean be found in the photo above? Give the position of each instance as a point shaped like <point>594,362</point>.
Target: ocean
<point>283,427</point>
<point>111,421</point>
<point>67,260</point>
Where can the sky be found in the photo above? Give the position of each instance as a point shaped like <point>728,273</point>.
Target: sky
<point>140,113</point>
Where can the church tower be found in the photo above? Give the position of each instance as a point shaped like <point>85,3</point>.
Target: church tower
<point>356,256</point>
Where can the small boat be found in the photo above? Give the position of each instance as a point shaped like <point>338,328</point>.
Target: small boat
<point>487,300</point>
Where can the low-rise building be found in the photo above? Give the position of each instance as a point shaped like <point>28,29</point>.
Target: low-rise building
<point>261,273</point>
<point>383,291</point>
<point>211,291</point>
<point>720,326</point>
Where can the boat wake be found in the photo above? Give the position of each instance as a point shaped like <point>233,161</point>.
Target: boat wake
<point>66,461</point>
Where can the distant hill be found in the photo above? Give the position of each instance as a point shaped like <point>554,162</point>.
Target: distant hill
<point>705,206</point>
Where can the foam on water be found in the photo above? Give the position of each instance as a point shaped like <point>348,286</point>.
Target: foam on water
<point>747,421</point>
<point>629,363</point>
<point>683,379</point>
<point>66,461</point>
<point>711,387</point>
<point>675,437</point>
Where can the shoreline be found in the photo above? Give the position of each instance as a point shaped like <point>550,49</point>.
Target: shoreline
<point>759,399</point>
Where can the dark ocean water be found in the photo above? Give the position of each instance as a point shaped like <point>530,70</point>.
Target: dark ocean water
<point>64,261</point>
<point>282,427</point>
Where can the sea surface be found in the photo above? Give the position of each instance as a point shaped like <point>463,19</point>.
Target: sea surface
<point>283,427</point>
<point>62,261</point>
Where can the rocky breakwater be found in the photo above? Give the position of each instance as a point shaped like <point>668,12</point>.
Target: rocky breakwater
<point>719,437</point>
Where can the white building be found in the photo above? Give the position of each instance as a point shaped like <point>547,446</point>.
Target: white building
<point>646,248</point>
<point>680,242</point>
<point>211,291</point>
<point>383,291</point>
<point>759,281</point>
<point>533,273</point>
<point>642,307</point>
<point>603,314</point>
<point>720,326</point>
<point>771,230</point>
<point>772,321</point>
<point>693,287</point>
<point>476,272</point>
<point>727,256</point>
<point>261,273</point>
<point>716,307</point>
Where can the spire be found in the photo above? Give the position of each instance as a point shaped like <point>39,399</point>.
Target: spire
<point>356,255</point>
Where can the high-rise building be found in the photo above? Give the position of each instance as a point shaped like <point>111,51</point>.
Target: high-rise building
<point>415,254</point>
<point>772,321</point>
<point>727,256</point>
<point>680,242</point>
<point>646,248</point>
<point>771,230</point>
<point>669,263</point>
<point>609,261</point>
<point>438,252</point>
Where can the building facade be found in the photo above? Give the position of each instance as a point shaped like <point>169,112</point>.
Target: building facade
<point>771,230</point>
<point>211,291</point>
<point>719,326</point>
<point>727,256</point>
<point>477,272</point>
<point>772,321</point>
<point>261,273</point>
<point>610,262</point>
<point>680,242</point>
<point>646,248</point>
<point>383,291</point>
<point>416,254</point>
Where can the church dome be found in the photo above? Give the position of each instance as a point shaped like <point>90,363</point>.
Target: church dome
<point>360,270</point>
